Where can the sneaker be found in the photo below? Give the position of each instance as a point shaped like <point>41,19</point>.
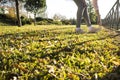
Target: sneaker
<point>94,30</point>
<point>78,30</point>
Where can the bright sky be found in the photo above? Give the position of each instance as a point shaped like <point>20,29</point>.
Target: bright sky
<point>68,8</point>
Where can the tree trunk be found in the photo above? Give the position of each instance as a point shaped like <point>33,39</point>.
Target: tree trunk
<point>17,13</point>
<point>34,19</point>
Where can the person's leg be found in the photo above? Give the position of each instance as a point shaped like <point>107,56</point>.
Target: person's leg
<point>95,5</point>
<point>86,17</point>
<point>80,12</point>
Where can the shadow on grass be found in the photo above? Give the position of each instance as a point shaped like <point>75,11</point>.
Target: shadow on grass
<point>68,49</point>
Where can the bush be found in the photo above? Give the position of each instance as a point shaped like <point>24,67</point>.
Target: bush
<point>25,20</point>
<point>66,22</point>
<point>47,21</point>
<point>41,19</point>
<point>57,22</point>
<point>69,22</point>
<point>7,19</point>
<point>42,22</point>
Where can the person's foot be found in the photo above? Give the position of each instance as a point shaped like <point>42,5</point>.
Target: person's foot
<point>78,30</point>
<point>93,30</point>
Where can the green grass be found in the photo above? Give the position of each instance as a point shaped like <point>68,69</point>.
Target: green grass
<point>57,53</point>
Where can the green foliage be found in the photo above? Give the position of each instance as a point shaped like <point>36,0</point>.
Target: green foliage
<point>25,20</point>
<point>44,22</point>
<point>65,22</point>
<point>2,10</point>
<point>35,5</point>
<point>69,21</point>
<point>6,19</point>
<point>47,21</point>
<point>57,53</point>
<point>57,22</point>
<point>44,19</point>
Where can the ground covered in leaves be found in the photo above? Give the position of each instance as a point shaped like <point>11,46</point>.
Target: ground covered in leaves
<point>58,53</point>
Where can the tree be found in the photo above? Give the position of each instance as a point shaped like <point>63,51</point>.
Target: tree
<point>17,13</point>
<point>2,6</point>
<point>42,13</point>
<point>11,9</point>
<point>58,17</point>
<point>34,6</point>
<point>17,9</point>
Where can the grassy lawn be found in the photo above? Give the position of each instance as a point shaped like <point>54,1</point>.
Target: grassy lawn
<point>57,53</point>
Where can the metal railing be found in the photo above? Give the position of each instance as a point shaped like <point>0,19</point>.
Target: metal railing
<point>112,20</point>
